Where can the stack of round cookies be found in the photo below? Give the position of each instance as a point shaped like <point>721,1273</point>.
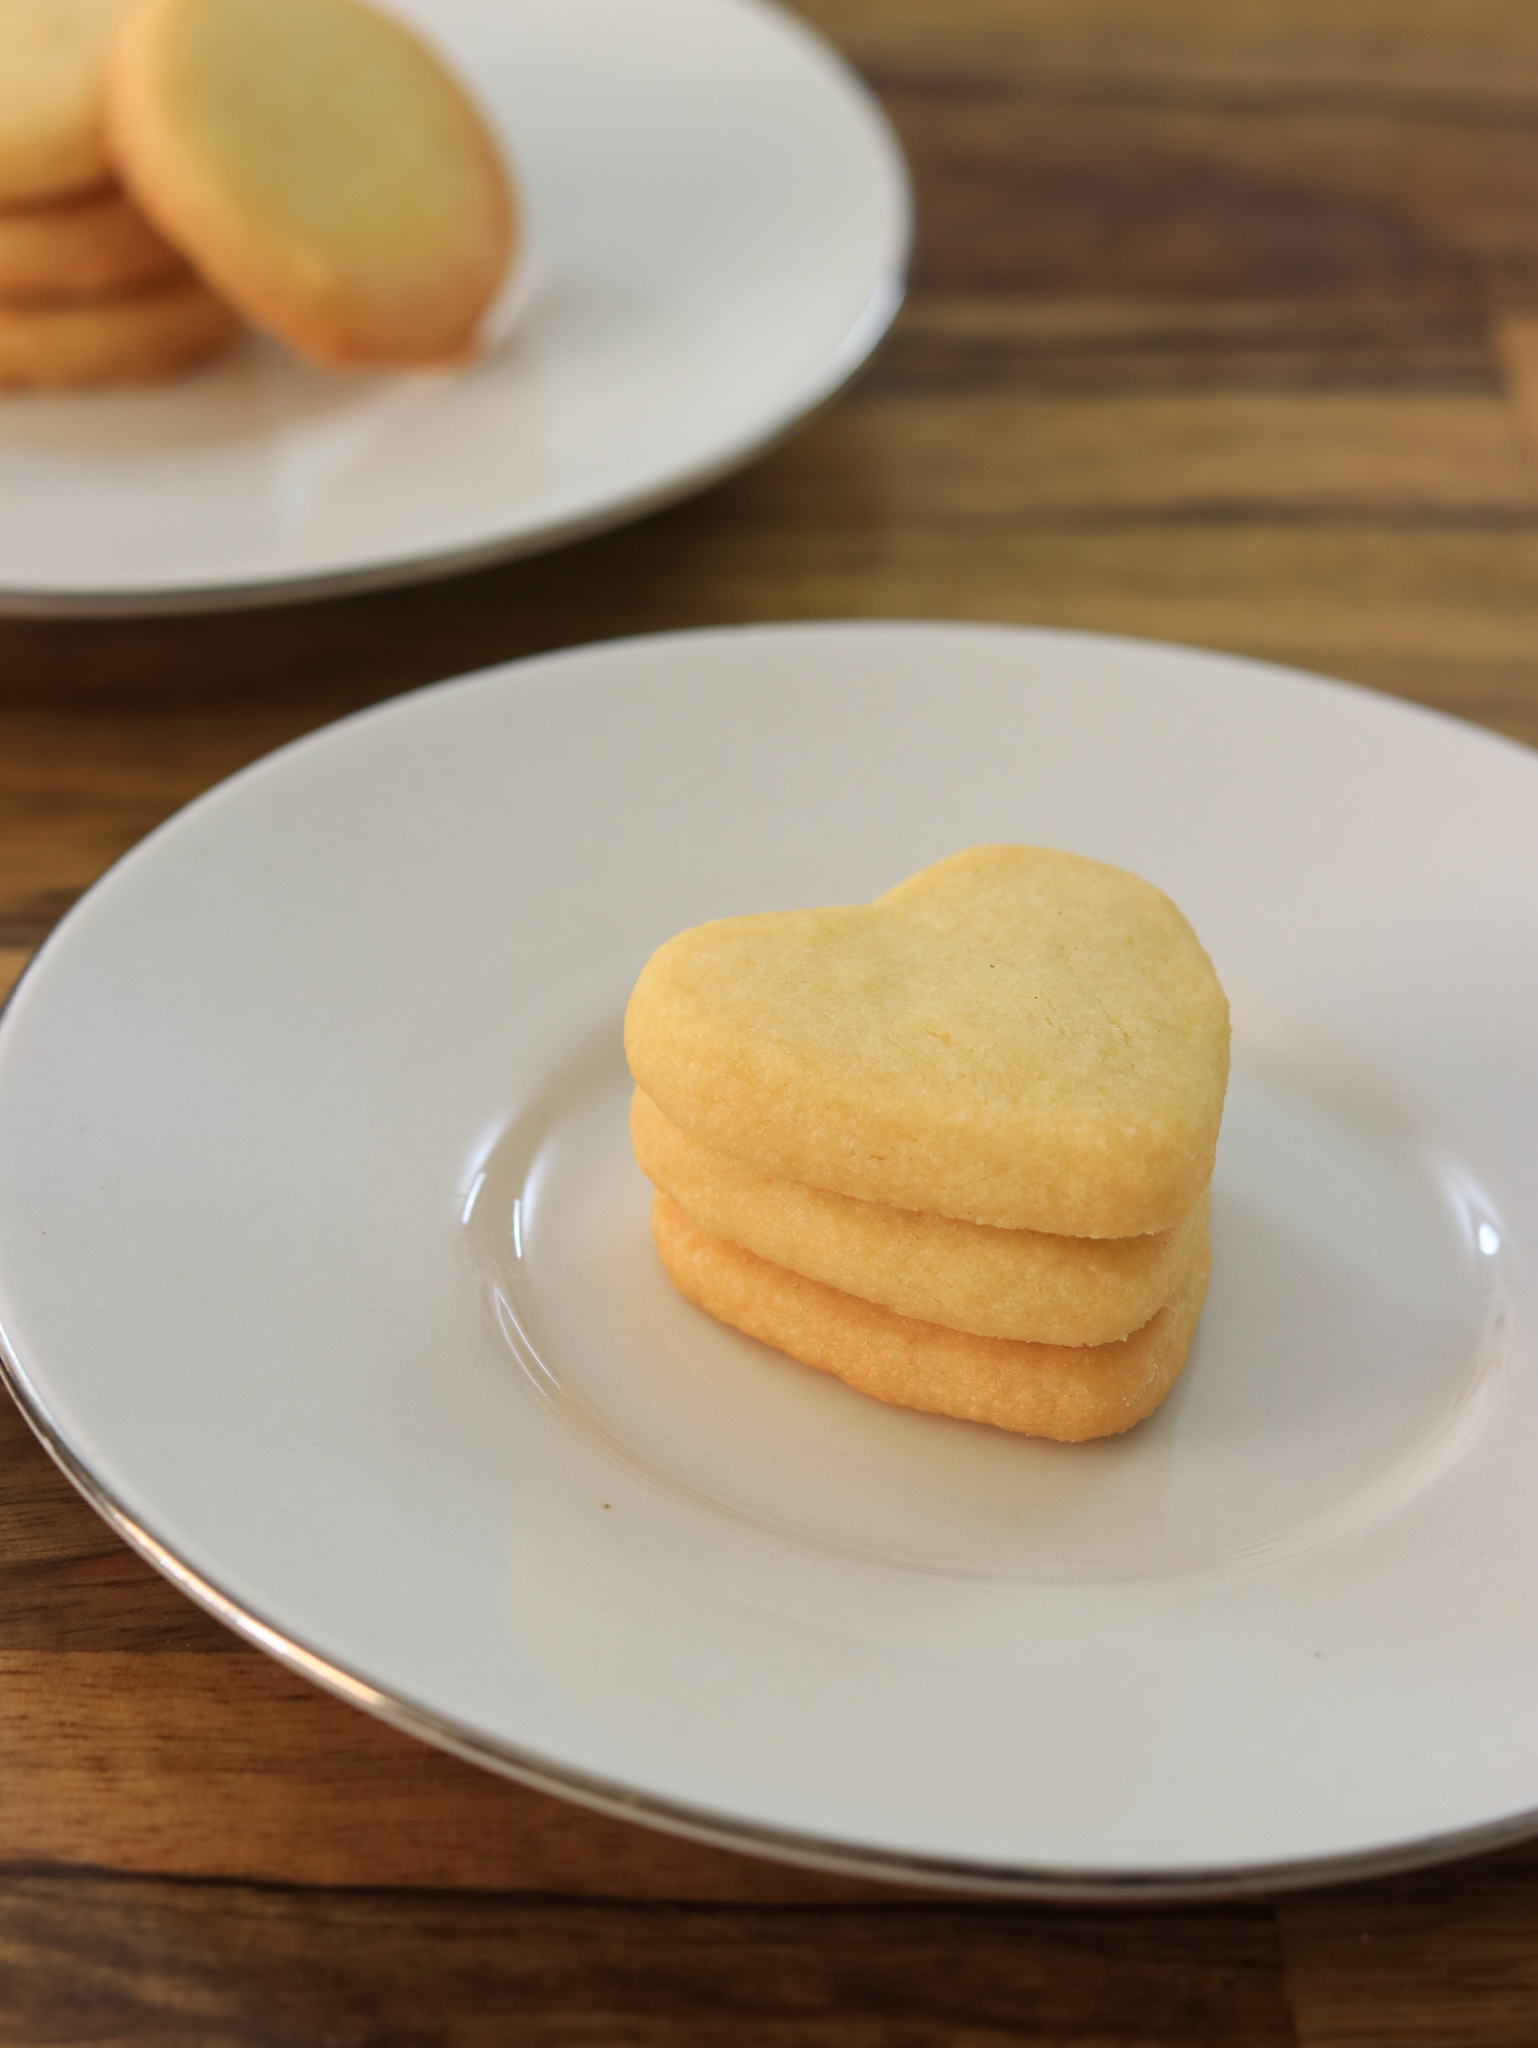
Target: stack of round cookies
<point>90,293</point>
<point>306,164</point>
<point>953,1146</point>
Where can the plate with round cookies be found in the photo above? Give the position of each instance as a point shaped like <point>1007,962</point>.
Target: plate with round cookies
<point>905,1247</point>
<point>299,296</point>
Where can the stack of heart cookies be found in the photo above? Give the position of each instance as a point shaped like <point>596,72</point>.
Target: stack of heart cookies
<point>953,1146</point>
<point>169,167</point>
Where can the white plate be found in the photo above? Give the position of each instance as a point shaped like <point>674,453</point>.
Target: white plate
<point>325,1269</point>
<point>719,221</point>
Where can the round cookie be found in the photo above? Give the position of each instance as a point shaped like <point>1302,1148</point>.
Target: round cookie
<point>320,167</point>
<point>130,340</point>
<point>53,58</point>
<point>1069,1394</point>
<point>81,249</point>
<point>1018,1284</point>
<point>1015,1036</point>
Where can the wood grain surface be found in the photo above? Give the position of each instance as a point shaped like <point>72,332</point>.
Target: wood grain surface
<point>1223,329</point>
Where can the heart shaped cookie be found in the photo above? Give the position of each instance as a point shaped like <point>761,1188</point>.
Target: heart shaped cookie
<point>1015,1037</point>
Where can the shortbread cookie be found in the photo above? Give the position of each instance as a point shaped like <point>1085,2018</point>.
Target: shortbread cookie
<point>1051,1390</point>
<point>81,249</point>
<point>319,166</point>
<point>1013,1037</point>
<point>1019,1284</point>
<point>113,341</point>
<point>53,56</point>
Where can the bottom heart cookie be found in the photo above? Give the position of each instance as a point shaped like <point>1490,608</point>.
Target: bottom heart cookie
<point>1068,1393</point>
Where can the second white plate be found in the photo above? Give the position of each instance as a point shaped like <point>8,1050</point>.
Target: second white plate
<point>718,223</point>
<point>325,1269</point>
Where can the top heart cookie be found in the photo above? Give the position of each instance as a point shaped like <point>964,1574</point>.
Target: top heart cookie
<point>1015,1036</point>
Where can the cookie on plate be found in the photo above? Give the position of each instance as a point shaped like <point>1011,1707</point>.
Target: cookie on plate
<point>128,340</point>
<point>1068,1394</point>
<point>1014,1037</point>
<point>53,56</point>
<point>1025,1285</point>
<point>85,248</point>
<point>320,167</point>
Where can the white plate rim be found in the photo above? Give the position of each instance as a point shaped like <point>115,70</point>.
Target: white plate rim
<point>621,1802</point>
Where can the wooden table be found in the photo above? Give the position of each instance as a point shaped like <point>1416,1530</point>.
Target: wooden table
<point>1224,328</point>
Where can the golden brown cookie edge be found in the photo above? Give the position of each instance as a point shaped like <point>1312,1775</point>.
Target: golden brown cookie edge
<point>1068,1395</point>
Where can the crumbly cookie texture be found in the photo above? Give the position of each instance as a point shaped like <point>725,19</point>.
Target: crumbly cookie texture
<point>1015,1037</point>
<point>1020,1284</point>
<point>321,168</point>
<point>95,247</point>
<point>1047,1390</point>
<point>130,340</point>
<point>53,55</point>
